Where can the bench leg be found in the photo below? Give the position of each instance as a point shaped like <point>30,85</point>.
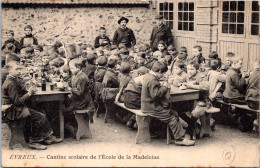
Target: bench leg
<point>168,136</point>
<point>143,133</point>
<point>109,111</point>
<point>83,126</point>
<point>205,125</point>
<point>17,135</point>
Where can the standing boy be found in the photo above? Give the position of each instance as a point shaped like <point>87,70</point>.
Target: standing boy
<point>102,40</point>
<point>28,39</point>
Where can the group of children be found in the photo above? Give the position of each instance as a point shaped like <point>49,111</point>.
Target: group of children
<point>141,79</point>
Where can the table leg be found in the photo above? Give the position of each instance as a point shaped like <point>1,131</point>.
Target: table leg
<point>61,121</point>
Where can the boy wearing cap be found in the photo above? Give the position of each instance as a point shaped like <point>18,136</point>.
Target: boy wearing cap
<point>28,39</point>
<point>153,93</point>
<point>102,40</point>
<point>10,39</point>
<point>160,32</point>
<point>124,35</point>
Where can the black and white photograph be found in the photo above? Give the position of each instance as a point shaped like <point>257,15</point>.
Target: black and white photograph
<point>130,83</point>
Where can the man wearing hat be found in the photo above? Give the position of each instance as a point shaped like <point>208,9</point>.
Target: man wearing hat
<point>160,32</point>
<point>124,35</point>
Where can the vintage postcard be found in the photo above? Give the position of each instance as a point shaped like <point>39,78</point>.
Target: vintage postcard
<point>130,83</point>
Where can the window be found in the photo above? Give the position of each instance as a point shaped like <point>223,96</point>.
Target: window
<point>166,10</point>
<point>233,16</point>
<point>255,19</point>
<point>186,16</point>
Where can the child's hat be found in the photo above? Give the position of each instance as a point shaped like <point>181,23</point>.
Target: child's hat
<point>102,60</point>
<point>121,19</point>
<point>182,56</point>
<point>28,27</point>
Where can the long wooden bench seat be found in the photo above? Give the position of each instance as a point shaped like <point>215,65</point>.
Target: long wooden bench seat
<point>245,107</point>
<point>143,122</point>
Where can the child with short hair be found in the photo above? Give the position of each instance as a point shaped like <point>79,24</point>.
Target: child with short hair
<point>235,82</point>
<point>13,93</point>
<point>162,48</point>
<point>183,49</point>
<point>252,91</point>
<point>197,54</point>
<point>151,97</point>
<point>102,40</point>
<point>227,63</point>
<point>179,75</point>
<point>28,39</point>
<point>11,40</point>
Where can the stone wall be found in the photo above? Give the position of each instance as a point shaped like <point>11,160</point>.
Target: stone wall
<point>71,25</point>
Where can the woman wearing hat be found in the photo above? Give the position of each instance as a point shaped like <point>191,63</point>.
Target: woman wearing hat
<point>124,35</point>
<point>160,32</point>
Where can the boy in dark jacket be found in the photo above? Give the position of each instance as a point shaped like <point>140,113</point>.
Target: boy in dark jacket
<point>197,55</point>
<point>152,94</point>
<point>102,40</point>
<point>10,36</point>
<point>28,39</point>
<point>99,76</point>
<point>13,93</point>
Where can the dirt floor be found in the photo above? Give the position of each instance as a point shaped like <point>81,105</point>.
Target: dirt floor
<point>113,144</point>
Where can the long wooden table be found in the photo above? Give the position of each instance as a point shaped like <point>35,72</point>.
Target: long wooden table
<point>178,95</point>
<point>52,95</point>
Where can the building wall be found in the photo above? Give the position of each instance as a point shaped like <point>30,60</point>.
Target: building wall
<point>72,25</point>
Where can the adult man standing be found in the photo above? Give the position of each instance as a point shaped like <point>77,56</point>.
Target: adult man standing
<point>124,35</point>
<point>160,32</point>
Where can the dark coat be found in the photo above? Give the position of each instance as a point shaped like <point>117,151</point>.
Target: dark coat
<point>110,79</point>
<point>253,87</point>
<point>125,36</point>
<point>124,80</point>
<point>99,74</point>
<point>162,34</point>
<point>81,98</point>
<point>152,92</point>
<point>235,84</point>
<point>32,40</point>
<point>98,42</point>
<point>15,43</point>
<point>133,95</point>
<point>89,70</point>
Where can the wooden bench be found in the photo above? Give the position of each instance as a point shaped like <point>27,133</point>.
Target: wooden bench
<point>16,127</point>
<point>82,118</point>
<point>143,122</point>
<point>245,107</point>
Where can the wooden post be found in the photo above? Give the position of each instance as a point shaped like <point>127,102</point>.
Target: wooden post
<point>83,126</point>
<point>17,135</point>
<point>61,120</point>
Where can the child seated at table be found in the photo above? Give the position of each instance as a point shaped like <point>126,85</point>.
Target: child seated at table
<point>197,55</point>
<point>80,98</point>
<point>225,67</point>
<point>179,75</point>
<point>213,56</point>
<point>153,93</point>
<point>235,82</point>
<point>252,91</point>
<point>13,93</point>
